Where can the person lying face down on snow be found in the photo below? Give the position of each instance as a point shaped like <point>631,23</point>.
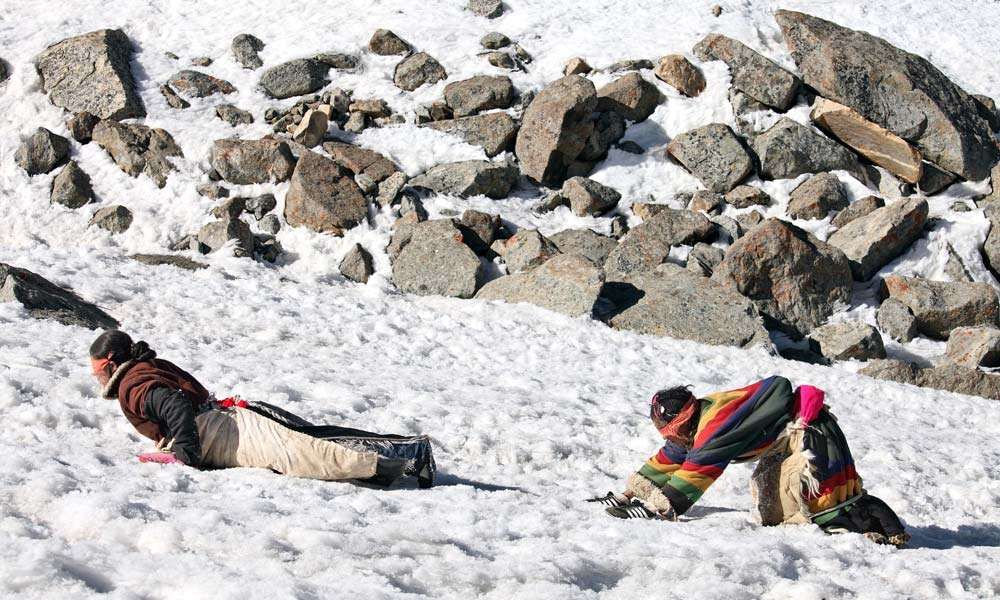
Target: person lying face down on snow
<point>169,406</point>
<point>804,473</point>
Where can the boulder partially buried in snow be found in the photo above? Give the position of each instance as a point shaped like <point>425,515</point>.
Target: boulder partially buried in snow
<point>675,303</point>
<point>974,347</point>
<point>757,76</point>
<point>795,280</point>
<point>417,70</point>
<point>386,43</point>
<point>252,161</point>
<point>71,187</point>
<point>436,261</point>
<point>294,78</point>
<point>900,91</point>
<point>789,149</point>
<point>631,96</point>
<point>357,264</point>
<point>479,93</point>
<point>566,283</point>
<point>555,128</point>
<point>714,155</point>
<point>469,178</point>
<point>648,244</point>
<point>138,149</point>
<point>939,307</point>
<point>677,71</point>
<point>495,132</point>
<point>41,152</point>
<point>873,240</point>
<point>92,73</point>
<point>846,341</point>
<point>45,300</point>
<point>323,197</point>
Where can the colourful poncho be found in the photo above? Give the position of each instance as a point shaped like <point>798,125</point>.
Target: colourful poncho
<point>740,425</point>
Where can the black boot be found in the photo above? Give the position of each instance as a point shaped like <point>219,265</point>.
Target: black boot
<point>387,471</point>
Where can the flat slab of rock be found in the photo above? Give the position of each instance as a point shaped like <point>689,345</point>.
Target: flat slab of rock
<point>494,132</point>
<point>648,244</point>
<point>847,341</point>
<point>587,197</point>
<point>41,152</point>
<point>586,243</point>
<point>939,307</point>
<point>436,261</point>
<point>555,128</point>
<point>181,262</point>
<point>199,85</point>
<point>789,149</point>
<point>714,155</point>
<point>323,197</point>
<point>795,280</point>
<point>294,78</point>
<point>245,162</point>
<point>816,197</point>
<point>672,302</point>
<point>974,347</point>
<point>45,300</point>
<point>631,96</point>
<point>138,149</point>
<point>900,91</point>
<point>469,178</point>
<point>361,161</point>
<point>92,73</point>
<point>479,93</point>
<point>417,70</point>
<point>868,139</point>
<point>757,76</point>
<point>872,241</point>
<point>677,71</point>
<point>566,283</point>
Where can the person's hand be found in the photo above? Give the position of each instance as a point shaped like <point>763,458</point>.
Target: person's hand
<point>163,458</point>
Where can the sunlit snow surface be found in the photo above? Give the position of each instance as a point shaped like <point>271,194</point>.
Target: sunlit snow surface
<point>530,412</point>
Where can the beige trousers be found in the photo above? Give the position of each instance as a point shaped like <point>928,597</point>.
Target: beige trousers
<point>238,437</point>
<point>778,481</point>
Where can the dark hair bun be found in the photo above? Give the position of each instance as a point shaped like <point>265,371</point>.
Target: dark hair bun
<point>138,350</point>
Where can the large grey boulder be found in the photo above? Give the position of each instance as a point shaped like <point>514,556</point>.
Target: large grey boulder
<point>71,187</point>
<point>41,152</point>
<point>974,347</point>
<point>93,73</point>
<point>757,76</point>
<point>495,132</point>
<point>566,283</point>
<point>713,154</point>
<point>587,197</point>
<point>896,320</point>
<point>948,377</point>
<point>847,341</point>
<point>900,91</point>
<point>416,70</point>
<point>361,161</point>
<point>940,307</point>
<point>323,197</point>
<point>586,243</point>
<point>252,161</point>
<point>45,300</point>
<point>435,261</point>
<point>525,250</point>
<point>673,302</point>
<point>217,234</point>
<point>872,241</point>
<point>631,96</point>
<point>138,149</point>
<point>795,280</point>
<point>555,128</point>
<point>245,48</point>
<point>816,197</point>
<point>789,149</point>
<point>648,244</point>
<point>199,85</point>
<point>469,178</point>
<point>479,93</point>
<point>294,78</point>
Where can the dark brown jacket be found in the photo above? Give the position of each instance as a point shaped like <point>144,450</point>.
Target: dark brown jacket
<point>136,379</point>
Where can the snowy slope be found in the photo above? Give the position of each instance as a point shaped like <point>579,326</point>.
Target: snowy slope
<point>530,411</point>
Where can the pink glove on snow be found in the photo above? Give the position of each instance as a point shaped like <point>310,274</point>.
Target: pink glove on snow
<point>163,458</point>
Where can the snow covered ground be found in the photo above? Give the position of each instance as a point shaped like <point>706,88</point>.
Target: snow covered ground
<point>530,412</point>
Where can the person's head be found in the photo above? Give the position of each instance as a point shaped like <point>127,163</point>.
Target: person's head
<point>674,412</point>
<point>667,404</point>
<point>112,349</point>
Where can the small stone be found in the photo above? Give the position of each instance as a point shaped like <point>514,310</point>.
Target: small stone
<point>816,197</point>
<point>567,284</point>
<point>619,226</point>
<point>116,219</point>
<point>713,154</point>
<point>479,93</point>
<point>310,131</point>
<point>338,60</point>
<point>417,70</point>
<point>357,264</point>
<point>629,64</point>
<point>491,9</point>
<point>389,189</point>
<point>356,123</point>
<point>246,162</point>
<point>703,259</point>
<point>387,43</point>
<point>707,202</point>
<point>270,224</point>
<point>608,129</point>
<point>728,227</point>
<point>213,191</point>
<point>872,241</point>
<point>745,196</point>
<point>479,230</point>
<point>245,48</point>
<point>360,160</point>
<point>587,197</point>
<point>526,250</point>
<point>266,247</point>
<point>375,107</point>
<point>586,243</point>
<point>576,66</point>
<point>974,347</point>
<point>716,10</point>
<point>173,100</point>
<point>748,221</point>
<point>677,71</point>
<point>494,40</point>
<point>495,132</point>
<point>180,262</point>
<point>469,178</point>
<point>631,96</point>
<point>46,300</point>
<point>522,55</point>
<point>81,126</point>
<point>138,149</point>
<point>847,341</point>
<point>437,111</point>
<point>259,206</point>
<point>233,115</point>
<point>71,187</point>
<point>201,61</point>
<point>294,78</point>
<point>647,210</point>
<point>501,60</point>
<point>896,320</point>
<point>41,152</point>
<point>857,209</point>
<point>217,234</point>
<point>230,208</point>
<point>199,85</point>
